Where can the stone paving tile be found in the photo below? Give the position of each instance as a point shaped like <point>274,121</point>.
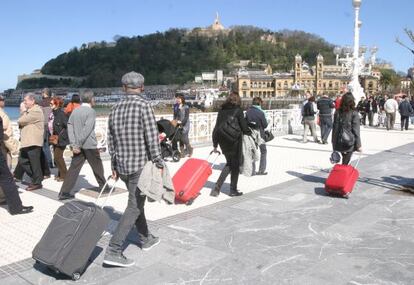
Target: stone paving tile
<point>14,280</point>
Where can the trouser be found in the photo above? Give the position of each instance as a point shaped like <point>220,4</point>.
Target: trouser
<point>46,150</point>
<point>59,161</point>
<point>412,120</point>
<point>390,120</point>
<point>263,154</point>
<point>133,214</point>
<point>233,168</point>
<point>404,122</point>
<point>363,118</point>
<point>44,163</point>
<point>371,118</point>
<point>326,126</point>
<point>9,187</point>
<point>30,162</point>
<point>309,124</point>
<point>94,160</point>
<point>346,157</point>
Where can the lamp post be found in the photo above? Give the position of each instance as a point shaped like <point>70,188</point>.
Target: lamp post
<point>356,88</point>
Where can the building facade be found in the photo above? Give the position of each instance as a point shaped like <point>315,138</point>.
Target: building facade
<point>319,79</point>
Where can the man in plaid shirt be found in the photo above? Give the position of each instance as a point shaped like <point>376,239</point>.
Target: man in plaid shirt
<point>132,141</point>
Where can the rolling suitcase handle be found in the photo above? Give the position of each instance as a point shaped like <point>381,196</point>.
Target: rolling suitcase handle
<point>211,153</point>
<point>103,189</point>
<point>359,158</point>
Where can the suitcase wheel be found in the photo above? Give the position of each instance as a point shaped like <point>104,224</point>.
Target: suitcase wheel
<point>181,193</point>
<point>176,156</point>
<point>189,202</point>
<point>76,276</point>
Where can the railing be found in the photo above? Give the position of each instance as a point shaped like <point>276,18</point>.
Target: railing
<point>202,124</point>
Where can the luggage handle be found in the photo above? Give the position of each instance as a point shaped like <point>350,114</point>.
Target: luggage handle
<point>359,158</point>
<point>103,189</point>
<point>211,153</point>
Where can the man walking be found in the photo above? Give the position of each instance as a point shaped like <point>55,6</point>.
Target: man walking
<point>325,106</point>
<point>81,132</point>
<point>31,126</point>
<point>405,111</point>
<point>390,107</point>
<point>132,141</point>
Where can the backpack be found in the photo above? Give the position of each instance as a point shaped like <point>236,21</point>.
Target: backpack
<point>230,130</point>
<point>307,110</point>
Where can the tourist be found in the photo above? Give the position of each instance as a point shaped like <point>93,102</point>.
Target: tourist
<point>390,107</point>
<point>59,128</point>
<point>45,104</point>
<point>8,185</point>
<point>347,120</point>
<point>82,138</point>
<point>325,106</point>
<point>309,120</point>
<point>256,118</point>
<point>338,101</point>
<point>406,111</point>
<point>230,149</point>
<point>10,145</point>
<point>31,124</point>
<point>182,117</point>
<point>132,141</point>
<point>74,103</point>
<point>371,108</point>
<point>361,108</point>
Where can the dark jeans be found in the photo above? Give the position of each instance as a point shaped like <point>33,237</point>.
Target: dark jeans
<point>363,118</point>
<point>46,149</point>
<point>404,122</point>
<point>30,162</point>
<point>9,187</point>
<point>346,157</point>
<point>134,214</point>
<point>326,126</point>
<point>59,161</point>
<point>263,154</point>
<point>233,168</point>
<point>44,163</point>
<point>94,159</point>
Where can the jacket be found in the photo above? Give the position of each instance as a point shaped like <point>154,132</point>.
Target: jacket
<point>351,122</point>
<point>156,183</point>
<point>227,111</point>
<point>183,114</point>
<point>309,111</point>
<point>60,127</point>
<point>31,123</point>
<point>81,128</point>
<point>405,108</point>
<point>391,106</point>
<point>325,106</point>
<point>250,152</point>
<point>256,119</point>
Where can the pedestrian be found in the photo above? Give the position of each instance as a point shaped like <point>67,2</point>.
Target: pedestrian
<point>325,106</point>
<point>32,129</point>
<point>256,119</point>
<point>338,101</point>
<point>59,129</point>
<point>74,103</point>
<point>45,104</point>
<point>82,138</point>
<point>132,141</point>
<point>182,117</point>
<point>7,184</point>
<point>406,111</point>
<point>10,145</point>
<point>361,108</point>
<point>230,148</point>
<point>346,120</point>
<point>390,107</point>
<point>309,120</point>
<point>371,108</point>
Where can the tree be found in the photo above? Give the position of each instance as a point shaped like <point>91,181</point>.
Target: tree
<point>389,81</point>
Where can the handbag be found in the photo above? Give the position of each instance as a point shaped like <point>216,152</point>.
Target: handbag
<point>346,138</point>
<point>268,136</point>
<point>230,130</point>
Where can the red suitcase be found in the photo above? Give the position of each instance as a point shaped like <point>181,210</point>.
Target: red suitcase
<point>342,179</point>
<point>190,179</point>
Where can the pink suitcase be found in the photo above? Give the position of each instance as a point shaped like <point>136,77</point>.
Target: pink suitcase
<point>190,179</point>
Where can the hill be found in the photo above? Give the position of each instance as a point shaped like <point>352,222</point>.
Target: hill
<point>177,55</point>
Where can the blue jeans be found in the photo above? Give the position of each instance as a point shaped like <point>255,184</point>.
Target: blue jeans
<point>326,126</point>
<point>263,154</point>
<point>134,214</point>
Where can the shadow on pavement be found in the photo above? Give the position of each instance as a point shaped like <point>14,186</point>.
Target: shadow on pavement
<point>307,177</point>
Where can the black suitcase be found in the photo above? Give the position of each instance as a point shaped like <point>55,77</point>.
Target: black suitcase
<point>71,237</point>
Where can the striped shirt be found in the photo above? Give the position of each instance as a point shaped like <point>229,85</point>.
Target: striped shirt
<point>132,135</point>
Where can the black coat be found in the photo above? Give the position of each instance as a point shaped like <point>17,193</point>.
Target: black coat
<point>325,106</point>
<point>351,122</point>
<point>405,108</point>
<point>256,119</point>
<point>227,111</point>
<point>60,127</point>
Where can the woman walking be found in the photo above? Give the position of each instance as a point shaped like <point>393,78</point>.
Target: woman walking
<point>182,116</point>
<point>230,148</point>
<point>59,128</point>
<point>346,136</point>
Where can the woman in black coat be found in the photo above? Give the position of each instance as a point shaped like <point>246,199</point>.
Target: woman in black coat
<point>230,149</point>
<point>346,118</point>
<point>60,128</point>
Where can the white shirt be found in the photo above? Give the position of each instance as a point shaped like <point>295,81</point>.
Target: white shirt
<point>391,106</point>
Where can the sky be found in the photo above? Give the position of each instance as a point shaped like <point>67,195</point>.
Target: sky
<point>35,31</point>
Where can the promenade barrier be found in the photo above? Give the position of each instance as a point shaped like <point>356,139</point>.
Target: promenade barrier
<point>281,121</point>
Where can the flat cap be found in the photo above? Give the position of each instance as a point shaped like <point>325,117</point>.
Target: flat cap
<point>132,79</point>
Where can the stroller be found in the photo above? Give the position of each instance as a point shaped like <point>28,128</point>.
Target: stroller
<point>167,134</point>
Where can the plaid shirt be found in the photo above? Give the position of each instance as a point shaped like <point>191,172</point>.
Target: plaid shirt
<point>133,135</point>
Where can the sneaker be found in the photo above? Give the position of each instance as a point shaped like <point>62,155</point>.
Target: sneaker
<point>149,242</point>
<point>117,259</point>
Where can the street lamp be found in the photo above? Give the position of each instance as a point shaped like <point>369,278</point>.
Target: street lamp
<point>356,88</point>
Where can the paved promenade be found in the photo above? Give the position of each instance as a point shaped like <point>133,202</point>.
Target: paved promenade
<point>284,230</point>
